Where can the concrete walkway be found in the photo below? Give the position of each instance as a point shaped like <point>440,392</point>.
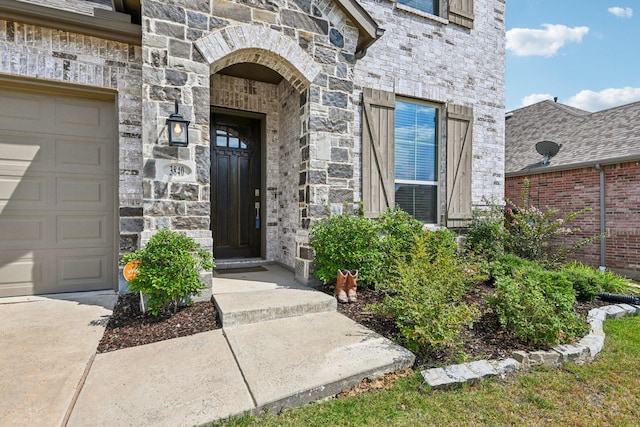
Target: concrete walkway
<point>282,345</point>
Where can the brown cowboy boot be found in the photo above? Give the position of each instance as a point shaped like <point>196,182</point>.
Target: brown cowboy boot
<point>341,292</point>
<point>352,286</point>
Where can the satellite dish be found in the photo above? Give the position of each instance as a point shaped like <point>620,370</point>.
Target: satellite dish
<point>547,149</point>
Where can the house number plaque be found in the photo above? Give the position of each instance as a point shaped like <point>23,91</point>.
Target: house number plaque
<point>168,170</point>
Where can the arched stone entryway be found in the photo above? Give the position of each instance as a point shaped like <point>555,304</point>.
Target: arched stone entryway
<point>260,45</point>
<point>269,94</point>
<point>311,150</point>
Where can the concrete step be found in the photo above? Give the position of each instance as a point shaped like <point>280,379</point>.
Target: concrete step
<point>242,308</point>
<point>293,361</point>
<point>241,262</point>
<point>245,295</point>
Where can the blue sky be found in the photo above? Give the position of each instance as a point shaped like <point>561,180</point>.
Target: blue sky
<point>585,52</point>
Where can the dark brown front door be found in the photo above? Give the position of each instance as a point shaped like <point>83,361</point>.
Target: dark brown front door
<point>235,186</point>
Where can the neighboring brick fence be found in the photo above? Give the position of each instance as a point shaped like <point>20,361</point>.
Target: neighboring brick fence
<point>572,190</point>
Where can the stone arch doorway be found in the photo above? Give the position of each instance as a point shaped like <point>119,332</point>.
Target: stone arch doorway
<point>257,78</point>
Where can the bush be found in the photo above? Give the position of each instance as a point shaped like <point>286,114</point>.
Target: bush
<point>585,280</point>
<point>537,235</point>
<point>168,269</point>
<point>370,246</point>
<point>508,265</point>
<point>343,242</point>
<point>612,282</point>
<point>425,297</point>
<point>396,233</point>
<point>486,232</point>
<point>537,305</point>
<point>525,231</point>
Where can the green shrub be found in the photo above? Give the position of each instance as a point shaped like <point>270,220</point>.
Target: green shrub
<point>486,232</point>
<point>425,297</point>
<point>585,280</point>
<point>396,233</point>
<point>371,246</point>
<point>524,230</point>
<point>538,306</point>
<point>537,235</point>
<point>612,282</point>
<point>344,242</point>
<point>168,269</point>
<point>508,265</point>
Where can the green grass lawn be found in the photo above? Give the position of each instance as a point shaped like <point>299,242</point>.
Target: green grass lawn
<point>604,392</point>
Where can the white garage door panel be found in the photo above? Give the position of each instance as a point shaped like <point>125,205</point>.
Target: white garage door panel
<point>69,113</point>
<point>21,231</point>
<point>82,230</point>
<point>88,192</point>
<point>83,156</point>
<point>57,191</point>
<point>19,153</point>
<point>81,269</point>
<point>22,111</point>
<point>82,118</point>
<point>19,274</point>
<point>28,191</point>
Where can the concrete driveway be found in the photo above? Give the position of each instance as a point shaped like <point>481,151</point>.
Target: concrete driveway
<point>46,344</point>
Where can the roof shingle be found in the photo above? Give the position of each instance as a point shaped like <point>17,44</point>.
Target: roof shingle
<point>585,137</point>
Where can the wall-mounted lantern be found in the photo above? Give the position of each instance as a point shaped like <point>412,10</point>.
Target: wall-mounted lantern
<point>178,129</point>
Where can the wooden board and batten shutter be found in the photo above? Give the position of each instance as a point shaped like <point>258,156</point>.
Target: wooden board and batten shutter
<point>459,157</point>
<point>461,13</point>
<point>378,151</point>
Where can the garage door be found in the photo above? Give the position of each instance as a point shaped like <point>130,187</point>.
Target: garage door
<point>57,194</point>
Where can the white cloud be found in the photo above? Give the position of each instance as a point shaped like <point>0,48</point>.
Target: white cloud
<point>621,12</point>
<point>535,98</point>
<point>547,42</point>
<point>595,101</point>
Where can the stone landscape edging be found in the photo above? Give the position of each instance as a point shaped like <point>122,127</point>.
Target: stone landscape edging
<point>583,351</point>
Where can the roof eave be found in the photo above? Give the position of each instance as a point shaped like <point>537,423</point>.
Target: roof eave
<point>369,29</point>
<point>111,29</point>
<point>580,165</point>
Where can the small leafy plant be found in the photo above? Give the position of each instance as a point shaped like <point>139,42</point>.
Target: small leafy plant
<point>535,303</point>
<point>585,280</point>
<point>425,297</point>
<point>168,269</point>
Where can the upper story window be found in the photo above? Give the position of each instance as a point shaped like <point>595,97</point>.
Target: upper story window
<point>428,6</point>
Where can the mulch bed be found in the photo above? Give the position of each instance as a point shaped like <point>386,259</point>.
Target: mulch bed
<point>129,327</point>
<point>486,340</point>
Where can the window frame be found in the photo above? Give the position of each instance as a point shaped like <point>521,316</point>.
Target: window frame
<point>440,111</point>
<point>437,8</point>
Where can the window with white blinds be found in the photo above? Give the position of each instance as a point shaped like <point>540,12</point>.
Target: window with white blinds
<point>428,6</point>
<point>416,154</point>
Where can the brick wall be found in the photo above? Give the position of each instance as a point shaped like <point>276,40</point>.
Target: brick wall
<point>429,58</point>
<point>573,190</point>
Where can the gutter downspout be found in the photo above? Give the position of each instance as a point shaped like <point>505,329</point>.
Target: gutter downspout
<point>603,219</point>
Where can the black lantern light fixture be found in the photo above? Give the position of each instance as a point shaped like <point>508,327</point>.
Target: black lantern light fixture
<point>178,129</point>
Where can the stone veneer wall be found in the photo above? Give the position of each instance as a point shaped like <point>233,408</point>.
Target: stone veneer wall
<point>175,69</point>
<point>60,57</point>
<point>431,59</point>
